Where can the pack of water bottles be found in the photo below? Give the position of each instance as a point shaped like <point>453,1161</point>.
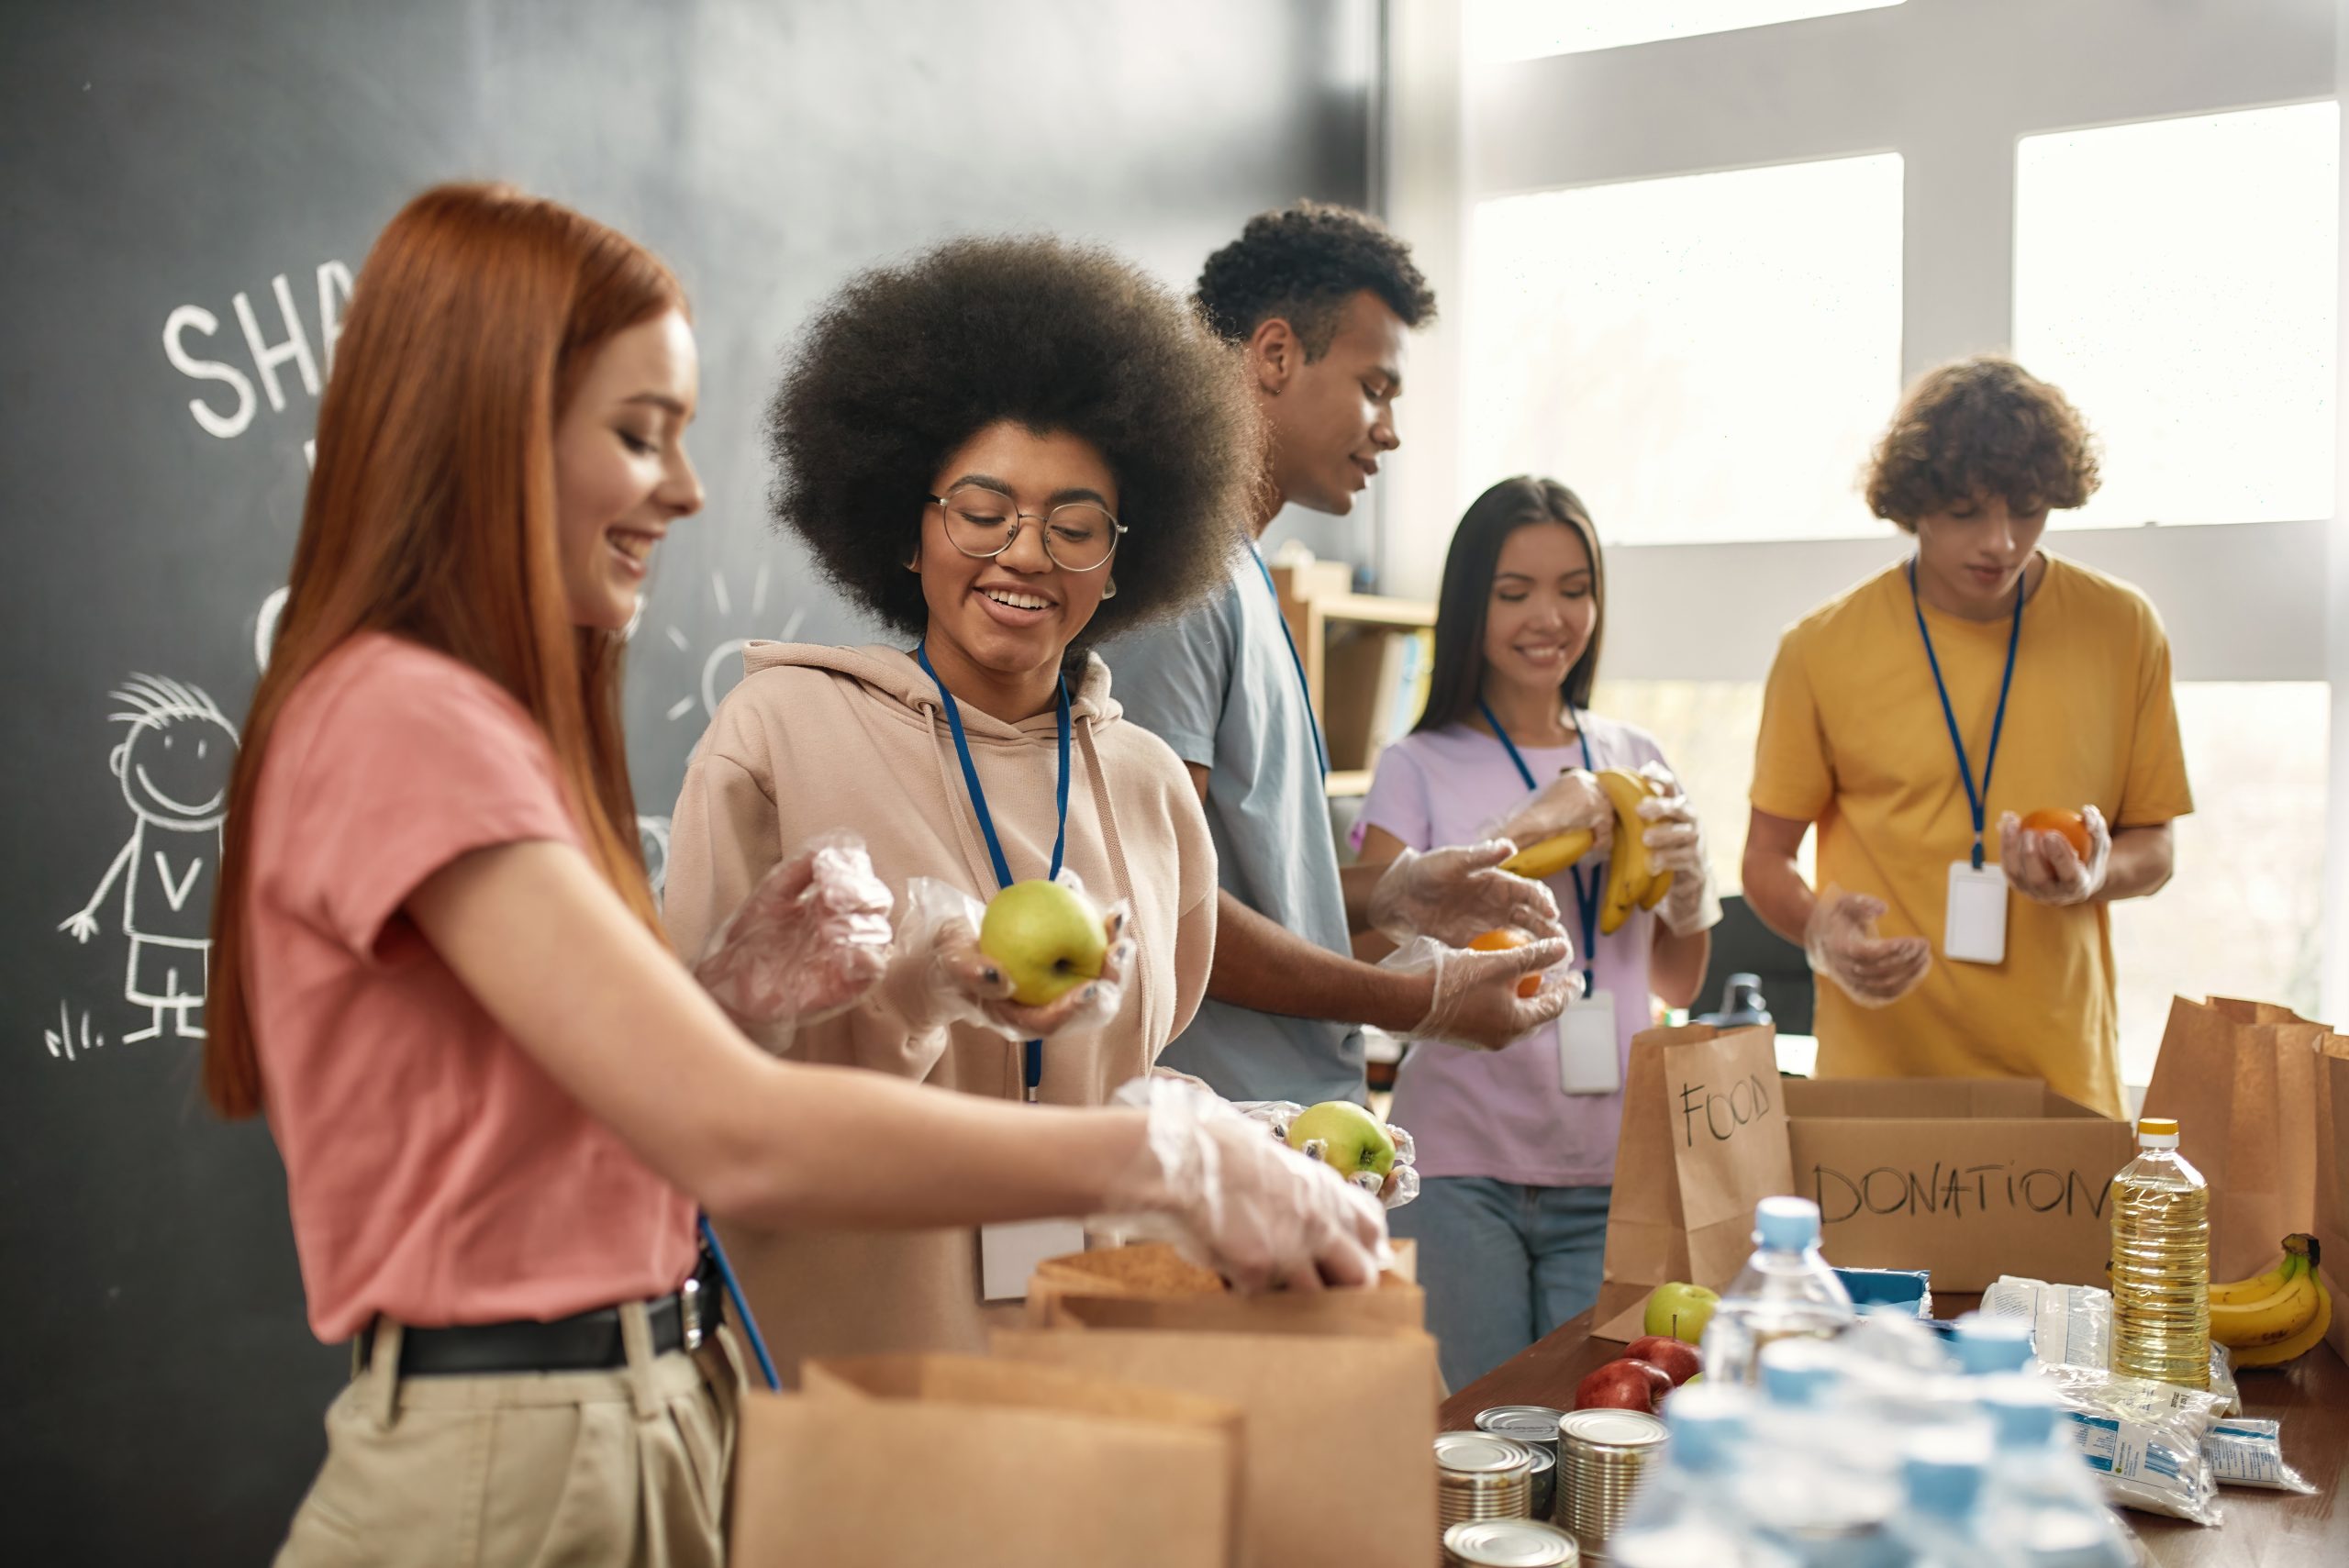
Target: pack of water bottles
<point>1822,1436</point>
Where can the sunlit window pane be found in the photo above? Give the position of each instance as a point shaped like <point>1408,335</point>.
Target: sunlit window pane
<point>2175,278</point>
<point>1704,358</point>
<point>1502,30</point>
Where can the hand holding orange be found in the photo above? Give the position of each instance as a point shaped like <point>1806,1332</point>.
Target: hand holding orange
<point>2069,826</point>
<point>1504,941</point>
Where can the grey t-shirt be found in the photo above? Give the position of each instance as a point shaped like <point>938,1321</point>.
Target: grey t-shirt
<point>1221,686</point>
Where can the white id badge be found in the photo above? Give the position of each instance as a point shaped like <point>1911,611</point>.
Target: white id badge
<point>1976,930</point>
<point>1588,1064</point>
<point>1009,1253</point>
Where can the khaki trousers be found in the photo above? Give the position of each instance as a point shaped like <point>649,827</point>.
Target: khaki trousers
<point>623,1467</point>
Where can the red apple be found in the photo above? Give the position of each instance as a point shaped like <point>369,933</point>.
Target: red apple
<point>1679,1360</point>
<point>1624,1385</point>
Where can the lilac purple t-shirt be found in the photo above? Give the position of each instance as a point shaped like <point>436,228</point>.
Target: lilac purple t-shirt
<point>1502,1113</point>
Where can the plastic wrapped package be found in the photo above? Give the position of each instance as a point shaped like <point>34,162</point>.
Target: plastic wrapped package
<point>810,941</point>
<point>938,975</point>
<point>2145,1440</point>
<point>2072,1326</point>
<point>2245,1451</point>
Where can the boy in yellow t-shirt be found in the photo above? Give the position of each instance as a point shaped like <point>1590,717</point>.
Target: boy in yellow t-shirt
<point>1927,711</point>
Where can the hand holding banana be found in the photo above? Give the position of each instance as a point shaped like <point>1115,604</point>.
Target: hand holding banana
<point>1656,844</point>
<point>2271,1317</point>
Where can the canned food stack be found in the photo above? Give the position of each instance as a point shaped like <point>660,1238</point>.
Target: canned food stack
<point>1509,1543</point>
<point>1602,1455</point>
<point>1535,1426</point>
<point>1480,1476</point>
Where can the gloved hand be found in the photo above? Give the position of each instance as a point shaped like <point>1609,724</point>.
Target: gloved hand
<point>1456,894</point>
<point>1573,799</point>
<point>1401,1184</point>
<point>812,938</point>
<point>1475,1004</point>
<point>937,976</point>
<point>1840,940</point>
<point>2045,868</point>
<point>1232,1199</point>
<point>1675,842</point>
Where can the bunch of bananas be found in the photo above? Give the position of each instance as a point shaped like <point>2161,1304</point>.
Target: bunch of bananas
<point>2271,1317</point>
<point>1631,878</point>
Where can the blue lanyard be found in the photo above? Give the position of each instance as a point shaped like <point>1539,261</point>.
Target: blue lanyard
<point>1585,897</point>
<point>1032,1055</point>
<point>1321,752</point>
<point>1974,798</point>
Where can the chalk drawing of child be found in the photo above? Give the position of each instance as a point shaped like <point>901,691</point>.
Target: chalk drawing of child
<point>174,767</point>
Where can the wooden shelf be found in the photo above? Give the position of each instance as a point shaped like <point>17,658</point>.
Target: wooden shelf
<point>1323,612</point>
<point>1366,609</point>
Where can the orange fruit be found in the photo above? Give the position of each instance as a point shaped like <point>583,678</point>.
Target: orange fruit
<point>2070,825</point>
<point>1503,941</point>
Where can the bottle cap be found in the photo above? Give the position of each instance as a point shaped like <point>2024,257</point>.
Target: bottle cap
<point>1785,1224</point>
<point>1707,1423</point>
<point>1799,1373</point>
<point>1986,1345</point>
<point>1943,1473</point>
<point>2022,1410</point>
<point>2157,1133</point>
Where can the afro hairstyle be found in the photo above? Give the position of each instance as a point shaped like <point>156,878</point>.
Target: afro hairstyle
<point>1302,263</point>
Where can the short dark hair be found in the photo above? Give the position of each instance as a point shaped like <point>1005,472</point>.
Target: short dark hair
<point>1978,428</point>
<point>907,361</point>
<point>1302,263</point>
<point>1457,677</point>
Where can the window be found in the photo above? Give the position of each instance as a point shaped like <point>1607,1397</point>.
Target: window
<point>1702,359</point>
<point>2177,279</point>
<point>1502,31</point>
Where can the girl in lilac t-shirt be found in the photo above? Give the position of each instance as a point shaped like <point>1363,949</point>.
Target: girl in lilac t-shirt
<point>1511,1223</point>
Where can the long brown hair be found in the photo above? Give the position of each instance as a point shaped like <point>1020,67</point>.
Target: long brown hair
<point>1458,678</point>
<point>431,516</point>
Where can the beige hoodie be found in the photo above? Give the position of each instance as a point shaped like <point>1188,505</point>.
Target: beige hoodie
<point>818,738</point>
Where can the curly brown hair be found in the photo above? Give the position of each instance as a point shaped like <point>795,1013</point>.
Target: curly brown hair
<point>909,361</point>
<point>1302,263</point>
<point>1978,428</point>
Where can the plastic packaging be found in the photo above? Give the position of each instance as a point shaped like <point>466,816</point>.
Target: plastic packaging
<point>2039,1498</point>
<point>2144,1440</point>
<point>1457,893</point>
<point>2249,1452</point>
<point>2072,1326</point>
<point>2161,1264</point>
<point>1401,1184</point>
<point>1942,1476</point>
<point>1464,1010</point>
<point>810,941</point>
<point>1686,1496</point>
<point>937,976</point>
<point>1786,1290</point>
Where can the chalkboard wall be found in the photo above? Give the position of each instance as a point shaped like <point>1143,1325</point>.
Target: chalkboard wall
<point>190,188</point>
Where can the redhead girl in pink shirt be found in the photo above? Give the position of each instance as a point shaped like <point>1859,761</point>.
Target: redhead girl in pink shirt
<point>439,975</point>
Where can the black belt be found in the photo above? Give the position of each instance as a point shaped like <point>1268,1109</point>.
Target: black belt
<point>587,1341</point>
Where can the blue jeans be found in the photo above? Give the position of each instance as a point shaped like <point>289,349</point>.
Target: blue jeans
<point>1502,1265</point>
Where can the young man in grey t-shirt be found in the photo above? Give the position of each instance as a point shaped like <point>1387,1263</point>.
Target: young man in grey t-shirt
<point>1319,300</point>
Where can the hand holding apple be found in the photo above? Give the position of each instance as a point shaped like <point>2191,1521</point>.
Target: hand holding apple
<point>1679,1311</point>
<point>944,969</point>
<point>1624,1385</point>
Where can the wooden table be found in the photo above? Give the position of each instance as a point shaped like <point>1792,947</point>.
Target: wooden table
<point>2263,1529</point>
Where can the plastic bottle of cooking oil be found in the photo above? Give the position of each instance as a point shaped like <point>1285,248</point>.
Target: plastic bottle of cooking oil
<point>2161,1264</point>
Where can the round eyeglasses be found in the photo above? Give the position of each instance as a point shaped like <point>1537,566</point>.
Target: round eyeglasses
<point>1078,535</point>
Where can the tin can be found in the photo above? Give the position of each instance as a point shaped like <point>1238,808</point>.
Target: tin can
<point>1542,1486</point>
<point>1601,1456</point>
<point>1480,1476</point>
<point>1535,1426</point>
<point>1509,1543</point>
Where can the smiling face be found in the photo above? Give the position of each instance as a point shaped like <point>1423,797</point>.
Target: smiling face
<point>1539,618</point>
<point>621,474</point>
<point>1970,556</point>
<point>175,768</point>
<point>1011,617</point>
<point>1330,419</point>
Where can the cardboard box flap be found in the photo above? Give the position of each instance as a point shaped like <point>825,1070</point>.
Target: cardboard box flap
<point>1922,1097</point>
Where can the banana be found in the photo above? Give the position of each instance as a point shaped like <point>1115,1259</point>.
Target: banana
<point>2284,1350</point>
<point>2258,1287</point>
<point>2273,1318</point>
<point>1629,876</point>
<point>1549,856</point>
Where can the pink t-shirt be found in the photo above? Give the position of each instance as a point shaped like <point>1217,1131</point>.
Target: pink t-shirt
<point>1502,1113</point>
<point>436,1175</point>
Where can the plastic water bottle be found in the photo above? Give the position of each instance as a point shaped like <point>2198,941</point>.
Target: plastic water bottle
<point>1786,1291</point>
<point>2161,1264</point>
<point>1989,1346</point>
<point>1943,1527</point>
<point>2040,1501</point>
<point>1683,1511</point>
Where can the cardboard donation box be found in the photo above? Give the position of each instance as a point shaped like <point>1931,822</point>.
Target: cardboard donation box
<point>2333,1179</point>
<point>1968,1178</point>
<point>1338,1392</point>
<point>907,1461</point>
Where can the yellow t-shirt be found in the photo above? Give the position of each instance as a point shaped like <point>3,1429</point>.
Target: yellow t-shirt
<point>1853,738</point>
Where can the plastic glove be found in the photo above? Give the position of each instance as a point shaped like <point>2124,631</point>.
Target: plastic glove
<point>937,976</point>
<point>1457,895</point>
<point>2045,868</point>
<point>1675,842</point>
<point>809,941</point>
<point>1475,1004</point>
<point>1573,799</point>
<point>1840,940</point>
<point>1207,1179</point>
<point>1401,1184</point>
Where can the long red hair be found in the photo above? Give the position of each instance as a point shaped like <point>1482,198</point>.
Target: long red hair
<point>431,516</point>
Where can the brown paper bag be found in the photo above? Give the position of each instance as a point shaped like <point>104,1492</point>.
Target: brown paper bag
<point>1155,1272</point>
<point>2331,1229</point>
<point>907,1462</point>
<point>1338,1396</point>
<point>2240,1077</point>
<point>1704,1140</point>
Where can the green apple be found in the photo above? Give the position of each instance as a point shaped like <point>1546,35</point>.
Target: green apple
<point>1681,1311</point>
<point>1344,1137</point>
<point>1047,937</point>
